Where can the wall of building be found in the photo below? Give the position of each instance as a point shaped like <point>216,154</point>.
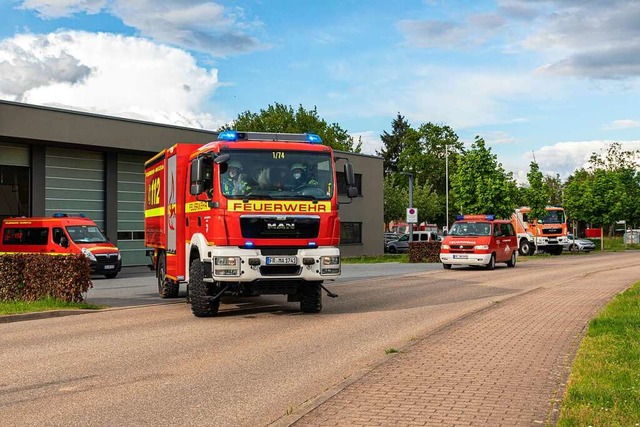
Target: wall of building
<point>82,162</point>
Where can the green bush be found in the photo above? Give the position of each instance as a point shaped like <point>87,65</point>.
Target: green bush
<point>424,252</point>
<point>30,277</point>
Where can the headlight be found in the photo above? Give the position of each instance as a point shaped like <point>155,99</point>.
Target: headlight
<point>119,256</point>
<point>86,252</point>
<point>226,266</point>
<point>445,247</point>
<point>482,247</point>
<point>330,265</point>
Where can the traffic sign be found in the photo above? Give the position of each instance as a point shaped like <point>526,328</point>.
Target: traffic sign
<point>412,215</point>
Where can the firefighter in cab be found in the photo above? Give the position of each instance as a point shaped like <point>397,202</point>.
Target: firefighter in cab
<point>233,181</point>
<point>299,177</point>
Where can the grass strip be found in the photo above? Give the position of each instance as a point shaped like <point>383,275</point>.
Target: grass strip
<point>604,386</point>
<point>46,304</point>
<point>376,259</point>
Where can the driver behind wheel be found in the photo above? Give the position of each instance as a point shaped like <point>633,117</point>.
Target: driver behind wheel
<point>299,177</point>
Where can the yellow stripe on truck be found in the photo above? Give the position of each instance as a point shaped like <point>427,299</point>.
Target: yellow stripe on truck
<point>196,207</point>
<point>272,206</point>
<point>149,213</point>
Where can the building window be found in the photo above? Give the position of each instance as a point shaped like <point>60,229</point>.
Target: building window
<point>350,233</point>
<point>342,184</point>
<point>130,235</point>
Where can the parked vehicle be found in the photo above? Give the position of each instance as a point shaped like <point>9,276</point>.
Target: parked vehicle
<point>389,237</point>
<point>479,240</point>
<point>579,245</point>
<point>62,234</point>
<point>402,244</point>
<point>548,233</point>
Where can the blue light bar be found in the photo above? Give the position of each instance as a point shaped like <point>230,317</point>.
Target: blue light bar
<point>490,217</point>
<point>228,135</point>
<point>248,244</point>
<point>459,217</point>
<point>313,138</point>
<point>67,215</point>
<point>312,244</point>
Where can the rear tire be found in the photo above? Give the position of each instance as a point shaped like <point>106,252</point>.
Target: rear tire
<point>446,266</point>
<point>199,290</point>
<point>167,288</point>
<point>393,250</point>
<point>492,263</point>
<point>310,297</point>
<point>512,261</point>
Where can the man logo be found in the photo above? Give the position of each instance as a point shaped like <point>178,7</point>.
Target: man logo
<point>280,226</point>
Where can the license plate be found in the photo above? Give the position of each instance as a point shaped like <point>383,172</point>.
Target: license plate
<point>282,260</point>
<point>460,256</point>
<point>109,267</point>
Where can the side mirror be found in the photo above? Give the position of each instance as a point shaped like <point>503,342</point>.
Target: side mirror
<point>349,176</point>
<point>197,172</point>
<point>352,192</point>
<point>64,242</point>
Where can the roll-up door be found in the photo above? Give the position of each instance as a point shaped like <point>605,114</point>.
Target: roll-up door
<point>131,209</point>
<point>74,183</point>
<point>14,180</point>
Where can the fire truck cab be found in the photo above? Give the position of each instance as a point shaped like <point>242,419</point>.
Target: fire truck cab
<point>479,240</point>
<point>248,214</point>
<point>62,234</point>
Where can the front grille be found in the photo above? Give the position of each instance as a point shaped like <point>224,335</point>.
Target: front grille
<point>280,270</point>
<point>106,258</point>
<point>551,230</point>
<point>461,249</point>
<point>256,227</point>
<point>279,251</point>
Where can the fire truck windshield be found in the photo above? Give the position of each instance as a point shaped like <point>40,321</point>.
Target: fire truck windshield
<point>277,175</point>
<point>553,217</point>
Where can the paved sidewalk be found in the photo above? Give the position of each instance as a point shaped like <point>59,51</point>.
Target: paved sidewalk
<point>503,366</point>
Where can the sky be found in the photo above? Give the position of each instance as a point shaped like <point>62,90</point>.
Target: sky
<point>552,80</point>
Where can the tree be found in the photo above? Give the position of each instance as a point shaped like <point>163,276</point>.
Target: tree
<point>608,190</point>
<point>284,119</point>
<point>553,187</point>
<point>536,193</point>
<point>480,184</point>
<point>396,199</point>
<point>394,143</point>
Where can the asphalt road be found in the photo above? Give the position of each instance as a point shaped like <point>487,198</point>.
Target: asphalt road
<point>137,286</point>
<point>259,359</point>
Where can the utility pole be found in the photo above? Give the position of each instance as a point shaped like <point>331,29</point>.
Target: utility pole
<point>410,175</point>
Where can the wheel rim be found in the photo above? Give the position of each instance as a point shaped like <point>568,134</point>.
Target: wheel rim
<point>161,268</point>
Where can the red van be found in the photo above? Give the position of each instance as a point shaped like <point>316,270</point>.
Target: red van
<point>62,234</point>
<point>479,240</point>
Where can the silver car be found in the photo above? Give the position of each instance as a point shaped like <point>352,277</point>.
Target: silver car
<point>579,245</point>
<point>402,244</point>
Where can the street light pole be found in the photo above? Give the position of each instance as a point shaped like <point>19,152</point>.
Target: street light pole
<point>410,175</point>
<point>446,180</point>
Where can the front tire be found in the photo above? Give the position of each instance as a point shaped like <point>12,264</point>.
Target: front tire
<point>492,263</point>
<point>310,297</point>
<point>526,248</point>
<point>393,250</point>
<point>199,290</point>
<point>512,261</point>
<point>167,288</point>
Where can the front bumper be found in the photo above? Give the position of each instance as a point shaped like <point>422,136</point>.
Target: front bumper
<point>251,265</point>
<point>471,259</point>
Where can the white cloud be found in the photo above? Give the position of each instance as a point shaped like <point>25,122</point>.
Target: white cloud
<point>199,25</point>
<point>498,138</point>
<point>622,124</point>
<point>371,141</point>
<point>110,74</point>
<point>562,158</point>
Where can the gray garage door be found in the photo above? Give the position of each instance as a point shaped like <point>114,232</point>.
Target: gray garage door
<point>131,209</point>
<point>74,183</point>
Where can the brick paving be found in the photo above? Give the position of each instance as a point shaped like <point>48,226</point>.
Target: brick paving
<point>503,366</point>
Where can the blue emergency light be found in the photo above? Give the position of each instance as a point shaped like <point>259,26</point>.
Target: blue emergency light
<point>228,135</point>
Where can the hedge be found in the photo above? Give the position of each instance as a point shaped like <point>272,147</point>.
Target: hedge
<point>424,252</point>
<point>30,277</point>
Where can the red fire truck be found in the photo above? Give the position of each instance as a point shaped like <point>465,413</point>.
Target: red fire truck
<point>248,214</point>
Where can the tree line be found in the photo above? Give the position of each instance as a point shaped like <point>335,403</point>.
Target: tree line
<point>601,194</point>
